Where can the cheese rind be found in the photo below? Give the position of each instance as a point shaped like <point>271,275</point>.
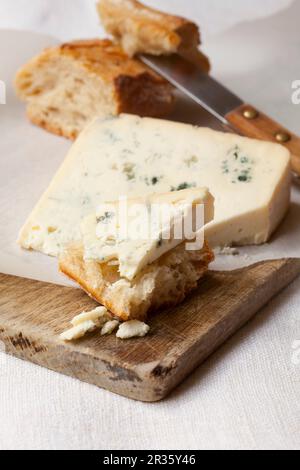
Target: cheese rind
<point>134,156</point>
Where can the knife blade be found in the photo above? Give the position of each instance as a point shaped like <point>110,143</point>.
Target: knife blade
<point>193,82</point>
<point>228,108</point>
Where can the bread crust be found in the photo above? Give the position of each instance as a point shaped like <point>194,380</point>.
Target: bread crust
<point>133,87</point>
<point>95,280</point>
<point>136,96</point>
<point>154,32</point>
<point>104,58</point>
<point>140,29</point>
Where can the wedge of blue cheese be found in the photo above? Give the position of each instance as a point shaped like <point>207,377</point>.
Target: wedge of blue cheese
<point>128,155</point>
<point>134,233</point>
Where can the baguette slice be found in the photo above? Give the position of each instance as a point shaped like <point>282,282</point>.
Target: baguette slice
<point>164,283</point>
<point>68,85</point>
<point>141,29</point>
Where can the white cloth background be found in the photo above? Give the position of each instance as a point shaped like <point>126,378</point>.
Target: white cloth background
<point>247,394</point>
<point>69,19</point>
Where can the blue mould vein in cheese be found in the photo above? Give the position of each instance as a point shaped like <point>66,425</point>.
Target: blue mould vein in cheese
<point>128,155</point>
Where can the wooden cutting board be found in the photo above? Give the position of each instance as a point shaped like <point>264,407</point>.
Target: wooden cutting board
<point>32,314</point>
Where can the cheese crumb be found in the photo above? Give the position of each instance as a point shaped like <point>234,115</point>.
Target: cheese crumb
<point>86,322</point>
<point>78,331</point>
<point>99,316</point>
<point>132,329</point>
<point>228,251</point>
<point>109,327</point>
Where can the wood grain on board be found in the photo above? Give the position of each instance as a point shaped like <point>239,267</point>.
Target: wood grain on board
<point>33,314</point>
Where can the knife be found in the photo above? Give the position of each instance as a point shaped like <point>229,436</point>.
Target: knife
<point>222,103</point>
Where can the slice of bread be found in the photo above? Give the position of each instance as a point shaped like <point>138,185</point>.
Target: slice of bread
<point>67,86</point>
<point>164,283</point>
<point>141,29</point>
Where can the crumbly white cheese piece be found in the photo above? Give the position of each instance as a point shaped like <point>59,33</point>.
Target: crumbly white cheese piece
<point>99,316</point>
<point>109,327</point>
<point>227,251</point>
<point>159,223</point>
<point>132,329</point>
<point>134,156</point>
<point>86,322</point>
<point>78,331</point>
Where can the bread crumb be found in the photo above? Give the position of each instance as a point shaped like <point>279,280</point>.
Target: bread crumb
<point>132,329</point>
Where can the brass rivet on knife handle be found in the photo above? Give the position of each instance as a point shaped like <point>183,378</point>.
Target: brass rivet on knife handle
<point>248,121</point>
<point>282,137</point>
<point>250,113</point>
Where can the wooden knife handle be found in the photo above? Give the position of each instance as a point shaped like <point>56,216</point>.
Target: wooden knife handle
<point>250,122</point>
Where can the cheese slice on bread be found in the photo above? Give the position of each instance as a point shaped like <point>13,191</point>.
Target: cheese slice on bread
<point>136,232</point>
<point>66,86</point>
<point>141,29</point>
<point>150,264</point>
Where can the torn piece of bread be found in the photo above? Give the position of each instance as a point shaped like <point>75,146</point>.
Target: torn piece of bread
<point>141,29</point>
<point>164,283</point>
<point>66,86</point>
